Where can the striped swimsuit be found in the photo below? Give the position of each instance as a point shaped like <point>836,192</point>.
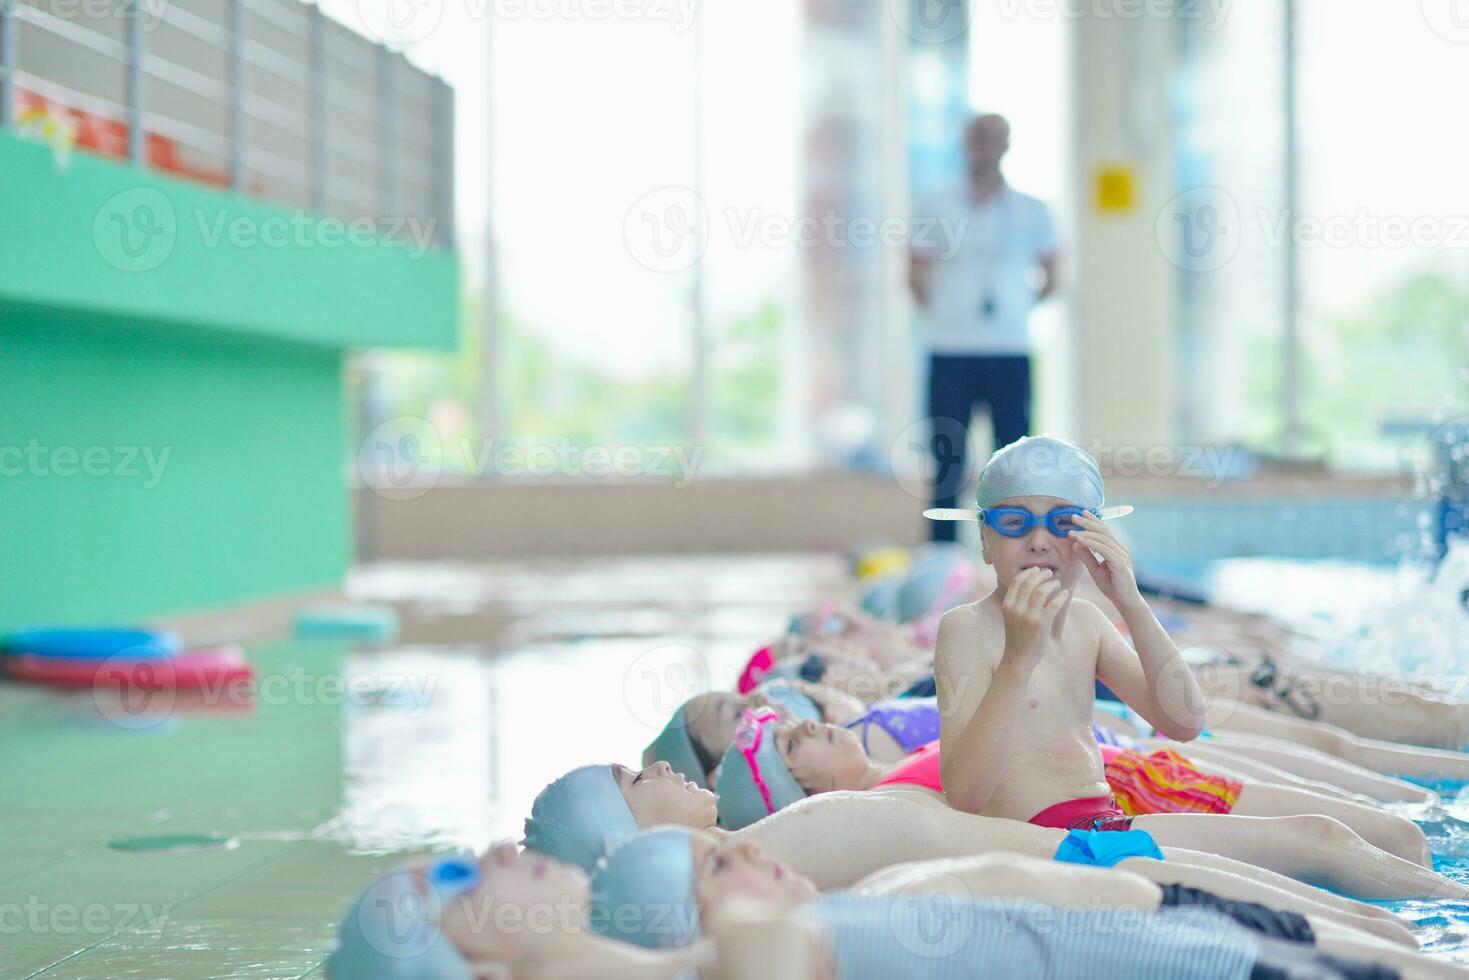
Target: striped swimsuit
<point>896,937</point>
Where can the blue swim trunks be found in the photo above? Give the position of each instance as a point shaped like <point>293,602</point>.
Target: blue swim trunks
<point>1103,849</point>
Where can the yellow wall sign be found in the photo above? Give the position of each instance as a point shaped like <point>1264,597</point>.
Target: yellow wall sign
<point>1114,189</point>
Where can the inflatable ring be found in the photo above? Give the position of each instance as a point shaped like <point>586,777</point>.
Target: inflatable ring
<point>93,644</point>
<point>210,669</point>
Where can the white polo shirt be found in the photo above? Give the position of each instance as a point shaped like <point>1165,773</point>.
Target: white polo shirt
<point>983,268</point>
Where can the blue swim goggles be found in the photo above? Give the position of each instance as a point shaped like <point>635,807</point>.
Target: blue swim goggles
<point>454,875</point>
<point>1016,522</point>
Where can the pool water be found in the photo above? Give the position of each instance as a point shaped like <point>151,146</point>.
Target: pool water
<point>1392,618</point>
<point>349,760</point>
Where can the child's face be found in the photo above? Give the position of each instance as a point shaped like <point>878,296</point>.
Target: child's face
<point>532,887</point>
<point>658,795</point>
<point>1011,556</point>
<point>822,757</point>
<point>730,869</point>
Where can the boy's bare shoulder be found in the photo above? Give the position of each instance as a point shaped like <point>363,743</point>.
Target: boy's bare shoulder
<point>966,630</point>
<point>1092,613</point>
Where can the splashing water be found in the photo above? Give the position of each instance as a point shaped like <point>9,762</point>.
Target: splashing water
<point>1416,625</point>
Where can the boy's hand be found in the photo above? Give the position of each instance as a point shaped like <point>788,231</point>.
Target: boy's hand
<point>1113,573</point>
<point>1029,608</point>
<point>837,707</point>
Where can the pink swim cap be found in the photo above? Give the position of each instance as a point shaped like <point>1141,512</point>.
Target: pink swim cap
<point>755,671</point>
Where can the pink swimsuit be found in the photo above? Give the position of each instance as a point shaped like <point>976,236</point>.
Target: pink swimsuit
<point>921,768</point>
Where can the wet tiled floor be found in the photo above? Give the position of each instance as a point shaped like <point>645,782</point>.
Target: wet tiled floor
<point>345,760</point>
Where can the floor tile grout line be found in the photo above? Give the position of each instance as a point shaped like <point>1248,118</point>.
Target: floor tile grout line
<point>111,936</point>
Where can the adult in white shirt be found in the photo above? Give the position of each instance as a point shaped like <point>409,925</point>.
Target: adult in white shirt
<point>983,254</point>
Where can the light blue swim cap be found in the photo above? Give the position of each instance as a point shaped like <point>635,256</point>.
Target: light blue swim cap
<point>1041,466</point>
<point>580,817</point>
<point>783,693</point>
<point>920,590</point>
<point>675,746</point>
<point>881,598</point>
<point>747,792</point>
<point>643,892</point>
<point>391,932</point>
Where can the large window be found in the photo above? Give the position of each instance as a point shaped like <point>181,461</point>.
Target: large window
<point>1360,265</point>
<point>671,187</point>
<point>1382,227</point>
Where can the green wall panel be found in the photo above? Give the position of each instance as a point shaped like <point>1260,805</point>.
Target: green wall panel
<point>215,472</point>
<point>106,237</point>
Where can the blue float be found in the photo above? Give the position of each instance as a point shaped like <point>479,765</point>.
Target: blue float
<point>95,644</point>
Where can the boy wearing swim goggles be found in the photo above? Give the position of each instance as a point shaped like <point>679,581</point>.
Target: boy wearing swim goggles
<point>1015,671</point>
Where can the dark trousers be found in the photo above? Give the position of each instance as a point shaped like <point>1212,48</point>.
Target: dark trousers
<point>956,384</point>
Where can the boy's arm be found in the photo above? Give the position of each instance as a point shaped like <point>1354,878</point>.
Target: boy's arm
<point>1152,679</point>
<point>980,688</point>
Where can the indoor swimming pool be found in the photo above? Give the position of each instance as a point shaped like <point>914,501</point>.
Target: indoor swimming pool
<point>348,759</point>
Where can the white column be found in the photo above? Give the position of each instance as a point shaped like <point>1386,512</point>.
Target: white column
<point>1124,289</point>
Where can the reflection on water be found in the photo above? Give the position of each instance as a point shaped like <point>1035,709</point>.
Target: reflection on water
<point>586,661</point>
<point>591,659</point>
